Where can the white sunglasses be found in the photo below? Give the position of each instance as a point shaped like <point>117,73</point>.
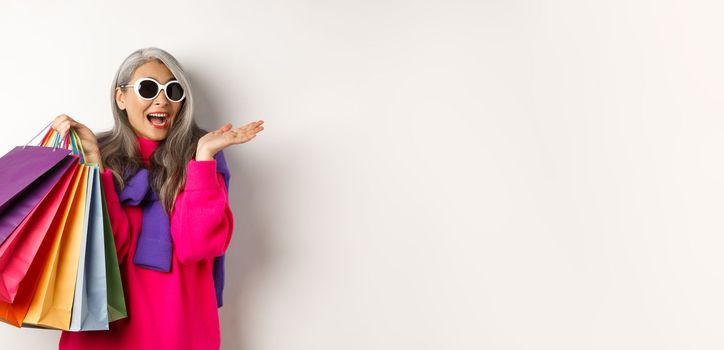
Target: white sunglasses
<point>149,88</point>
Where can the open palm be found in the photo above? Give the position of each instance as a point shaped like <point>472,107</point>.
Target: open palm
<point>217,140</point>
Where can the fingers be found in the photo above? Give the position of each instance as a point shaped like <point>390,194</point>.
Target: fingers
<point>255,125</point>
<point>62,118</point>
<point>63,123</point>
<point>252,127</point>
<point>245,133</point>
<point>225,128</point>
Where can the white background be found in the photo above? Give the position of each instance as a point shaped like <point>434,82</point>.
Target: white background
<point>510,174</point>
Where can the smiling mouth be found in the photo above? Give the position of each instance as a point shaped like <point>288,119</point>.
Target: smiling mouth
<point>158,120</point>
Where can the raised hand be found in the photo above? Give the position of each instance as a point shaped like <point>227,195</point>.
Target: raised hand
<point>217,140</point>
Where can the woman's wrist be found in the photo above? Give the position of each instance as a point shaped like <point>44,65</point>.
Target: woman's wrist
<point>94,158</point>
<point>203,154</point>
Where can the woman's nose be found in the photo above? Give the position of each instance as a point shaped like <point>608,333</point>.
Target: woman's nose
<point>161,99</point>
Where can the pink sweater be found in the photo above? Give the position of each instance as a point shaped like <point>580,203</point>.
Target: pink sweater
<point>174,310</point>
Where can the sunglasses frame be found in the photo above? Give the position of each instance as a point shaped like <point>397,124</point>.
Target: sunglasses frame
<point>160,87</point>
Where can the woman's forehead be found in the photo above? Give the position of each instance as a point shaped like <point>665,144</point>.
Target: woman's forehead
<point>155,70</point>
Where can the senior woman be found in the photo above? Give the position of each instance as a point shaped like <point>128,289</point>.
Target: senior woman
<point>165,182</point>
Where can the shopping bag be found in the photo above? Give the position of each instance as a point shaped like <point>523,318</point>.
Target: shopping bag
<point>20,248</point>
<point>90,311</point>
<point>24,184</point>
<point>73,282</point>
<point>80,302</point>
<point>68,288</point>
<point>53,300</point>
<point>116,299</point>
<point>100,300</point>
<point>97,287</point>
<point>90,304</point>
<point>42,229</point>
<point>116,304</point>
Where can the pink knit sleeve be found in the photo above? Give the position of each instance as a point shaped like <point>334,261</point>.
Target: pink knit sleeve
<point>119,219</point>
<point>201,220</point>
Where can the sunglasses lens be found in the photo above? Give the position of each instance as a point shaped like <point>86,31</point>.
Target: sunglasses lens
<point>174,92</point>
<point>148,89</point>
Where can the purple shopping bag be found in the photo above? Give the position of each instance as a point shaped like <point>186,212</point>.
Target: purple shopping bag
<point>27,173</point>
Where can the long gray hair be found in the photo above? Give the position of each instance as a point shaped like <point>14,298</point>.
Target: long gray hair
<point>119,147</point>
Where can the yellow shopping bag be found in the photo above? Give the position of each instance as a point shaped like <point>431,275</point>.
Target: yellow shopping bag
<point>52,303</point>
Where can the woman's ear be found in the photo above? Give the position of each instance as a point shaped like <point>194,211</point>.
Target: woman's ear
<point>120,99</point>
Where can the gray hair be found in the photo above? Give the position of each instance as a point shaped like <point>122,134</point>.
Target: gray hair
<point>119,147</point>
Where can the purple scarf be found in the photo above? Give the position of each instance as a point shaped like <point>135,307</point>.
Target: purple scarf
<point>154,248</point>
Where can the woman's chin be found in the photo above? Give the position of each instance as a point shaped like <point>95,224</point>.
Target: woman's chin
<point>153,134</point>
